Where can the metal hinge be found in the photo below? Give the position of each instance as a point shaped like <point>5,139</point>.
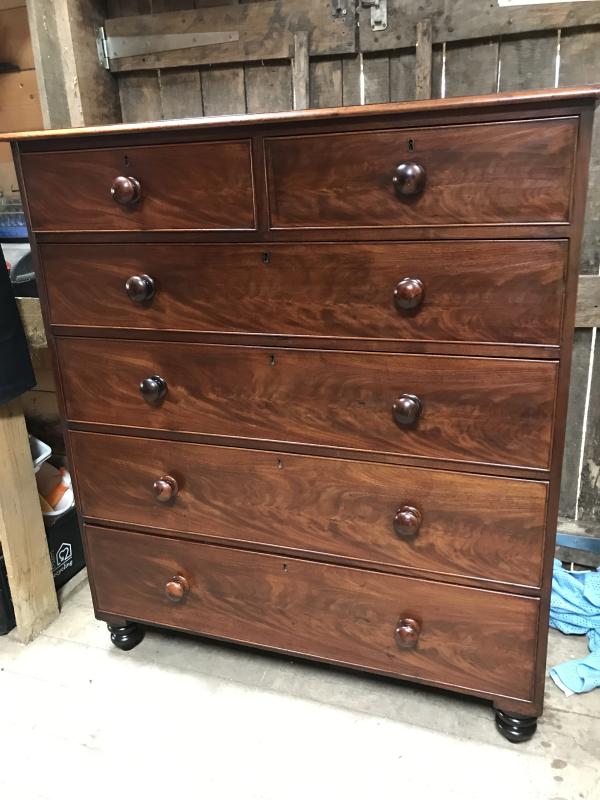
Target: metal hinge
<point>378,13</point>
<point>110,47</point>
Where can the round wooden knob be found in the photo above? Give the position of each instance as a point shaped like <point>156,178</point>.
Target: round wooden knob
<point>409,294</point>
<point>153,389</point>
<point>177,588</point>
<point>407,633</point>
<point>126,191</point>
<point>165,489</point>
<point>407,409</point>
<point>140,288</point>
<point>409,179</point>
<point>407,521</point>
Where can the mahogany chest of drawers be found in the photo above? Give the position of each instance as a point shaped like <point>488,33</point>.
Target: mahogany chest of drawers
<point>313,369</point>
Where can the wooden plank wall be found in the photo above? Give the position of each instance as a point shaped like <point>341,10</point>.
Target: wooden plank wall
<point>387,67</point>
<point>19,101</point>
<point>20,109</point>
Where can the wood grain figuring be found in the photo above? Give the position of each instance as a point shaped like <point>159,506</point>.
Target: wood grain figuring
<point>497,173</point>
<point>204,185</point>
<point>471,638</point>
<point>474,291</point>
<point>320,411</point>
<point>472,526</point>
<point>474,409</point>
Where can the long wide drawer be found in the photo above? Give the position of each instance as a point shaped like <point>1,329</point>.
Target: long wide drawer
<point>503,291</point>
<point>482,410</point>
<point>435,521</point>
<point>447,635</point>
<point>201,186</point>
<point>494,173</point>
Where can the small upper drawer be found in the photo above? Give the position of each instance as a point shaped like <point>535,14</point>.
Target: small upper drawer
<point>201,186</point>
<point>503,292</point>
<point>492,173</point>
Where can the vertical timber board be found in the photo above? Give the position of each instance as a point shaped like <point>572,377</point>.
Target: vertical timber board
<point>140,96</point>
<point>376,72</point>
<point>402,75</point>
<point>528,62</point>
<point>92,91</point>
<point>588,501</point>
<point>580,364</point>
<point>351,80</point>
<point>139,91</point>
<point>326,83</point>
<point>180,92</point>
<point>268,87</point>
<point>22,533</point>
<point>301,71</point>
<point>48,64</point>
<point>223,90</point>
<point>424,58</point>
<point>471,67</point>
<point>438,88</point>
<point>580,64</point>
<point>180,88</point>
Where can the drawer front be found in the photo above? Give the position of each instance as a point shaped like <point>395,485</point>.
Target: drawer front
<point>202,186</point>
<point>472,409</point>
<point>469,638</point>
<point>389,516</point>
<point>519,172</point>
<point>507,292</point>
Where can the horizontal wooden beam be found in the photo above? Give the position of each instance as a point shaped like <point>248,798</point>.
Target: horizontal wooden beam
<point>457,20</point>
<point>265,30</point>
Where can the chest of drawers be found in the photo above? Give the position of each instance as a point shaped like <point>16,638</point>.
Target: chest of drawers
<point>313,369</point>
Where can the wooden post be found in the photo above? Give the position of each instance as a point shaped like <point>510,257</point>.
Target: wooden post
<point>300,71</point>
<point>22,533</point>
<point>423,60</point>
<point>74,89</point>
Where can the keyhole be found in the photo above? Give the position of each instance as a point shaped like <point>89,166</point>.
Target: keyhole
<point>411,145</point>
<point>285,567</point>
<point>126,160</point>
<point>272,360</point>
<point>266,257</point>
<point>279,464</point>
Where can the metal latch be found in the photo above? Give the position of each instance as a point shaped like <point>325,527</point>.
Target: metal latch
<point>110,47</point>
<point>378,13</point>
<point>339,8</point>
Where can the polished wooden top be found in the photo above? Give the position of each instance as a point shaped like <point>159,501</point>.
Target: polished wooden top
<point>498,101</point>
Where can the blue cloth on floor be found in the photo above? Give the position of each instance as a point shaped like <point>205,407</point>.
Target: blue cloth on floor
<point>575,608</point>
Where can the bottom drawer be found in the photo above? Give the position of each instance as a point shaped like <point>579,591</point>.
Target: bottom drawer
<point>464,638</point>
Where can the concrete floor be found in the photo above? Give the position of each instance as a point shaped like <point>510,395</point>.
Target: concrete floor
<point>180,716</point>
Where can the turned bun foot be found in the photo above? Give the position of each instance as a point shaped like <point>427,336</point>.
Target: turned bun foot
<point>514,727</point>
<point>126,637</point>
